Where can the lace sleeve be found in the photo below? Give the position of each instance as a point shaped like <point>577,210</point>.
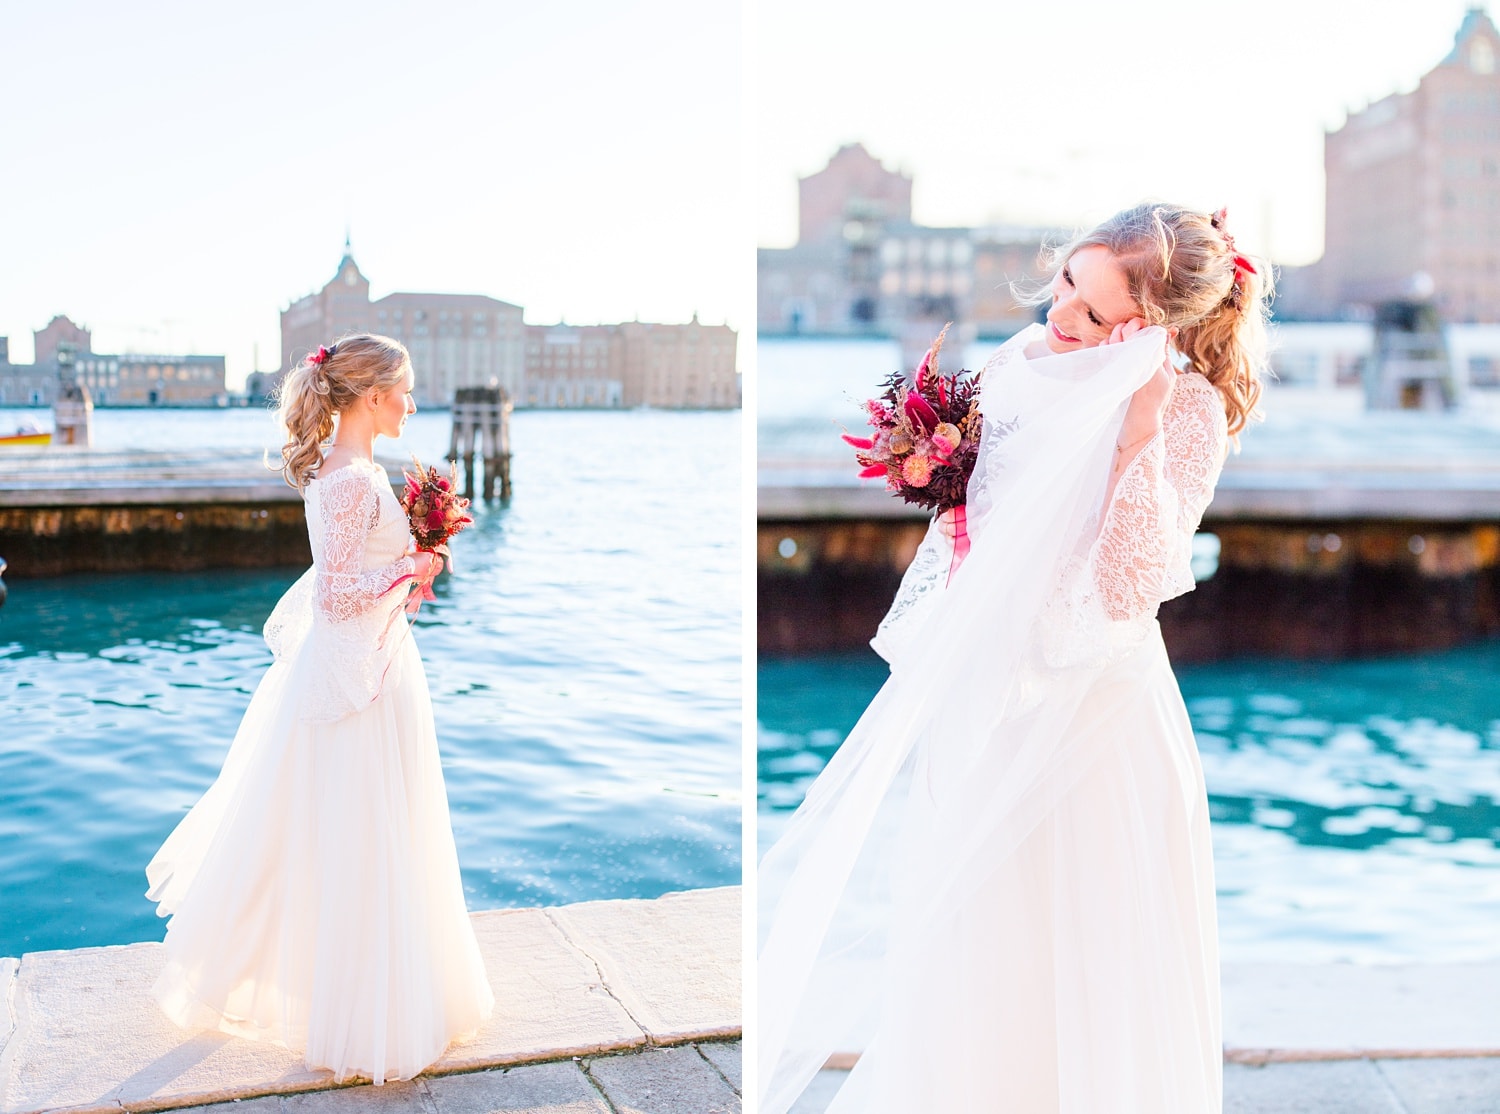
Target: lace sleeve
<point>348,509</point>
<point>1143,553</point>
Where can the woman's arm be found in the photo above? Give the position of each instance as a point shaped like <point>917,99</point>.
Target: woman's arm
<point>1156,500</point>
<point>348,509</point>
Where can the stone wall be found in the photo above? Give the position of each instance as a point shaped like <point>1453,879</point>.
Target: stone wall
<point>1287,589</point>
<point>52,541</point>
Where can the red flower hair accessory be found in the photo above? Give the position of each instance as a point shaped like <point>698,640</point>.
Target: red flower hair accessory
<point>1242,264</point>
<point>322,354</point>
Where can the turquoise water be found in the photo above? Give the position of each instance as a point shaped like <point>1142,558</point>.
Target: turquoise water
<point>584,661</point>
<point>1354,804</point>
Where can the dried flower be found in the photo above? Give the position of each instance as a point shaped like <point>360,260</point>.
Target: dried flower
<point>924,434</point>
<point>917,470</point>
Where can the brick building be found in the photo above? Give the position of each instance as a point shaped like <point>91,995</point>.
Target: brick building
<point>455,340</point>
<point>1413,194</point>
<point>131,379</point>
<point>862,266</point>
<point>637,363</point>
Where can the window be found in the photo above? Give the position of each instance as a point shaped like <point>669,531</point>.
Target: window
<point>1484,371</point>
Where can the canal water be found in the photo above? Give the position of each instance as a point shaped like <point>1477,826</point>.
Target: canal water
<point>584,660</point>
<point>1354,804</point>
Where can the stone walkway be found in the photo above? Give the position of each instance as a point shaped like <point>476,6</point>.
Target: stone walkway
<point>1344,1039</point>
<point>79,1031</point>
<point>689,1079</point>
<point>1446,1086</point>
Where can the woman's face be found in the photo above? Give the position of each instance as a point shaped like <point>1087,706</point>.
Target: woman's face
<point>394,406</point>
<point>1090,296</point>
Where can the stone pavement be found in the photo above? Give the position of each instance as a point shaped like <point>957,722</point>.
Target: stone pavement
<point>688,1079</point>
<point>1342,1038</point>
<point>1415,1086</point>
<point>79,1031</point>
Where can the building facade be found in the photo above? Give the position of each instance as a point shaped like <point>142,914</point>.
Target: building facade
<point>470,340</point>
<point>570,366</point>
<point>134,379</point>
<point>637,363</point>
<point>1413,195</point>
<point>853,186</point>
<point>862,266</point>
<point>455,340</point>
<point>131,379</point>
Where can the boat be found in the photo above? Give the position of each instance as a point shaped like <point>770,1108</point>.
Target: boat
<point>27,434</point>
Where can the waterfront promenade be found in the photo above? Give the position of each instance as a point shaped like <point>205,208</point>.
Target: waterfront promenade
<point>1341,1039</point>
<point>1334,533</point>
<point>601,1006</point>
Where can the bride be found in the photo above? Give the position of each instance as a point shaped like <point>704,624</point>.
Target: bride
<point>1000,889</point>
<point>314,890</point>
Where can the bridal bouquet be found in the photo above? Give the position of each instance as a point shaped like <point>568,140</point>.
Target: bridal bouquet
<point>435,512</point>
<point>925,439</point>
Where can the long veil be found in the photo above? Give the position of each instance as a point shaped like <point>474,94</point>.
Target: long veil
<point>966,747</point>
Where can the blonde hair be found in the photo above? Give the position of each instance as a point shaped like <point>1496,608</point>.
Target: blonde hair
<point>1181,270</point>
<point>314,391</point>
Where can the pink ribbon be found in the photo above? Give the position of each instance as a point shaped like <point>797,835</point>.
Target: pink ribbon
<point>960,539</point>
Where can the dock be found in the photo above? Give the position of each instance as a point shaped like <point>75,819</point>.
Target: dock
<point>1330,534</point>
<point>600,1007</point>
<point>69,510</point>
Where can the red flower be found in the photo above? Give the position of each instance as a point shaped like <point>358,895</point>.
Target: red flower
<point>920,411</point>
<point>435,520</point>
<point>859,442</point>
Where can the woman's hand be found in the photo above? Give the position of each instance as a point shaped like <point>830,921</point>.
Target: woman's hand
<point>947,522</point>
<point>428,565</point>
<point>1127,329</point>
<point>1148,404</point>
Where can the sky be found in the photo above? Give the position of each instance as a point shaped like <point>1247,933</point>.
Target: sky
<point>1061,114</point>
<point>177,173</point>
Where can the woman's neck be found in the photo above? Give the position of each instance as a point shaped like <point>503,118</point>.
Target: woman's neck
<point>354,439</point>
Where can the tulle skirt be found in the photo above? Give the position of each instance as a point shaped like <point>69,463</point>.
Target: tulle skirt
<point>1082,974</point>
<point>314,890</point>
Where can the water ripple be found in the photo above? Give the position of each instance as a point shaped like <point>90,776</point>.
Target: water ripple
<point>584,662</point>
<point>1354,804</point>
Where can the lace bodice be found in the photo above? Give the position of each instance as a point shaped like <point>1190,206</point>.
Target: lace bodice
<point>359,539</point>
<point>1132,553</point>
<point>346,611</point>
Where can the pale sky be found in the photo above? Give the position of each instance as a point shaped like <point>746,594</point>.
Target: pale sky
<point>1064,113</point>
<point>176,173</point>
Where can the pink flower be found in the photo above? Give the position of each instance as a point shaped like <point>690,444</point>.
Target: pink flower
<point>946,438</point>
<point>859,442</point>
<point>917,470</point>
<point>873,470</point>
<point>435,520</point>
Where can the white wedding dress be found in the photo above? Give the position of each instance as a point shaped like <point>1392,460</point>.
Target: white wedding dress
<point>1000,890</point>
<point>314,890</point>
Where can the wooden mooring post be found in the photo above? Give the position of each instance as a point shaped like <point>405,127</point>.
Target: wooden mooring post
<point>481,415</point>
